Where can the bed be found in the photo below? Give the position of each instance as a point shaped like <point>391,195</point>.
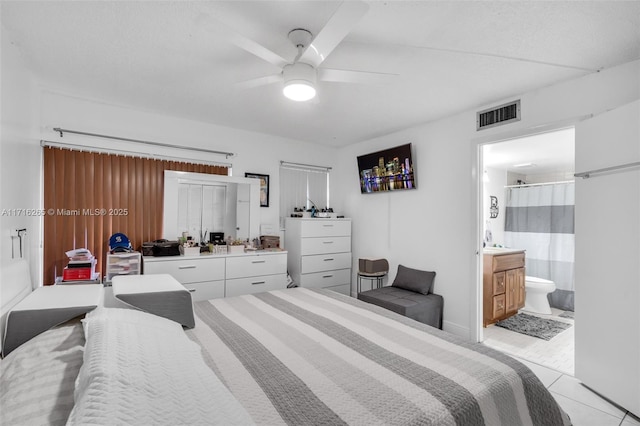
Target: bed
<point>295,356</point>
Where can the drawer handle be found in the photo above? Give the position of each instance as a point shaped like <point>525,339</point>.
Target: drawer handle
<point>328,226</point>
<point>258,261</point>
<point>327,276</point>
<point>329,259</point>
<point>327,242</point>
<point>192,290</point>
<point>187,267</point>
<point>258,282</point>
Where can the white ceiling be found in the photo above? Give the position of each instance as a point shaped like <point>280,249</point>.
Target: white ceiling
<point>544,154</point>
<point>450,56</point>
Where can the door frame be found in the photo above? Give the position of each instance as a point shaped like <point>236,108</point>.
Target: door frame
<point>477,166</point>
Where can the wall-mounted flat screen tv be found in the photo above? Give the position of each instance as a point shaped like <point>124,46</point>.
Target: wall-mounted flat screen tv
<point>388,170</point>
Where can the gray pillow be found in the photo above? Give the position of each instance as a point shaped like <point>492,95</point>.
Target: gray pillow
<point>414,280</point>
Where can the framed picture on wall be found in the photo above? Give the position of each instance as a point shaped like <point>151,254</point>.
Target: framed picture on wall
<point>264,187</point>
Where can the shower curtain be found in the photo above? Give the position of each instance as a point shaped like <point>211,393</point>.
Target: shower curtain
<point>540,219</point>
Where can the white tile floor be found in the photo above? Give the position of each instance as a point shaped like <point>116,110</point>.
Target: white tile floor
<point>553,362</point>
<point>557,353</point>
<point>584,407</point>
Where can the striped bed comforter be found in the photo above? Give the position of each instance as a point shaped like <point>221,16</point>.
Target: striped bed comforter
<point>302,356</point>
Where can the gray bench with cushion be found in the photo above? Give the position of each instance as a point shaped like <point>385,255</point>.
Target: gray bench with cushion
<point>411,295</point>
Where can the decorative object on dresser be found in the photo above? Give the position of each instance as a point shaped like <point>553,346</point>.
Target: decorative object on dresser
<point>319,252</point>
<point>503,284</point>
<point>215,276</point>
<point>236,246</point>
<point>410,295</point>
<point>269,241</point>
<point>161,248</point>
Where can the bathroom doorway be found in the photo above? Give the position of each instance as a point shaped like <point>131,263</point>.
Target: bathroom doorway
<point>527,210</point>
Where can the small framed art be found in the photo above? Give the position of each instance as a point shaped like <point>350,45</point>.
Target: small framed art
<point>264,187</point>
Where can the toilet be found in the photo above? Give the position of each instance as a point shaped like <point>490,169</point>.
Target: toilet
<point>536,295</point>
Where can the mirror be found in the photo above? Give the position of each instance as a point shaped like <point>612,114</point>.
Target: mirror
<point>201,203</point>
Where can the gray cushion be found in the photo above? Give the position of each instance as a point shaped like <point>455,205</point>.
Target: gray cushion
<point>414,280</point>
<point>426,309</point>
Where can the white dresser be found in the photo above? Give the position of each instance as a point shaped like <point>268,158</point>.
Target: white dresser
<point>213,276</point>
<point>319,252</point>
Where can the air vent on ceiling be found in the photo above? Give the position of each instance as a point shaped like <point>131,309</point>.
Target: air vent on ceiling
<point>499,115</point>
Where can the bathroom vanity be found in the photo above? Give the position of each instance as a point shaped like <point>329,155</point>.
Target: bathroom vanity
<point>503,282</point>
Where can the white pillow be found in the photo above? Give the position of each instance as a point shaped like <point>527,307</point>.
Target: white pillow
<point>143,369</point>
<point>140,319</point>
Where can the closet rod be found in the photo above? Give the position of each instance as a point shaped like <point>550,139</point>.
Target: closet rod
<point>164,145</point>
<point>53,144</point>
<point>587,175</point>
<point>301,165</point>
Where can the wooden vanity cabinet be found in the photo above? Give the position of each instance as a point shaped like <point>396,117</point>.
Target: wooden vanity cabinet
<point>503,282</point>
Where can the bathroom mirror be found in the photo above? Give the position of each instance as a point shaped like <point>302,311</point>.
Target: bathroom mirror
<point>200,203</point>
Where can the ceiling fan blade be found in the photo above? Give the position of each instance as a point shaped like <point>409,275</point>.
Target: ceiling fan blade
<point>336,29</point>
<point>260,81</point>
<point>221,30</point>
<point>362,77</point>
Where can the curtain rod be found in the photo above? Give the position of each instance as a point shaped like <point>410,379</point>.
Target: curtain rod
<point>539,184</point>
<point>301,165</point>
<point>164,145</point>
<point>53,144</point>
<point>587,175</point>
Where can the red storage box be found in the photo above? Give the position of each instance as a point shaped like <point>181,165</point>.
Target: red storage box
<point>70,274</point>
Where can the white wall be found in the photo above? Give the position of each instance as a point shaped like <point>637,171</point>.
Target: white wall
<point>255,152</point>
<point>435,227</point>
<point>19,157</point>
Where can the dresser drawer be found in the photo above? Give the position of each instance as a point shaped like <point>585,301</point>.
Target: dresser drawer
<point>499,306</point>
<point>239,286</point>
<point>326,279</point>
<point>499,285</point>
<point>508,261</point>
<point>253,266</point>
<point>206,290</point>
<point>188,270</point>
<point>325,262</point>
<point>325,228</point>
<point>322,245</point>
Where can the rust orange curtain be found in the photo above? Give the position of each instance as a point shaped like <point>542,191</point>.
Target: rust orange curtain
<point>90,196</point>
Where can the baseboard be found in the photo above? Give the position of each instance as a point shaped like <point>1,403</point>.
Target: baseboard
<point>456,329</point>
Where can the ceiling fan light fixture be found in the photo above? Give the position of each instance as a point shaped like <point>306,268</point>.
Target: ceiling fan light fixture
<point>299,82</point>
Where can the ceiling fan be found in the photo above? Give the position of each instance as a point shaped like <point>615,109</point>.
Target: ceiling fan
<point>301,75</point>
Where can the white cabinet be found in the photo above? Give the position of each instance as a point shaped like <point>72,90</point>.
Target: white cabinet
<point>250,273</point>
<point>202,276</point>
<point>122,264</point>
<point>319,252</point>
<point>216,276</point>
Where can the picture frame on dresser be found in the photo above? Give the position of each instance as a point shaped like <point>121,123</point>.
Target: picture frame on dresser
<point>264,187</point>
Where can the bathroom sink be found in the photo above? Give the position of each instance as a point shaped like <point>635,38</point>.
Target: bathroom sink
<point>496,250</point>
